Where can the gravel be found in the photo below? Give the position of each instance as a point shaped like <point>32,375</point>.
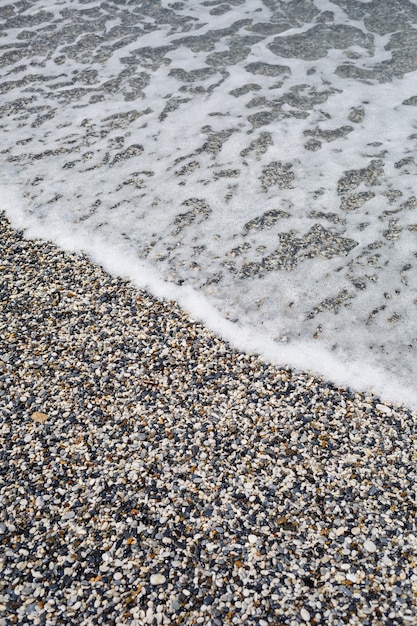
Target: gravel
<point>151,474</point>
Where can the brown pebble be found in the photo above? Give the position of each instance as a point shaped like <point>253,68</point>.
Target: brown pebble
<point>40,417</point>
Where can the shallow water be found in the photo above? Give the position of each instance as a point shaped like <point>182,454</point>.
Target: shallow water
<point>254,159</point>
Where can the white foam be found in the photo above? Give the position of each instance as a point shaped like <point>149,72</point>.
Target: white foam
<point>174,211</point>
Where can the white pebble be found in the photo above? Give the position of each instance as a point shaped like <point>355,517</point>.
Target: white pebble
<point>157,579</point>
<point>384,409</point>
<point>369,546</point>
<point>117,576</point>
<point>351,577</point>
<point>252,539</point>
<point>305,615</point>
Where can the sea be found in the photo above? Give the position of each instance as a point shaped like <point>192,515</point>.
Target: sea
<point>253,160</point>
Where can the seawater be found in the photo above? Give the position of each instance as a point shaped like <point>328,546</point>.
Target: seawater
<point>253,159</point>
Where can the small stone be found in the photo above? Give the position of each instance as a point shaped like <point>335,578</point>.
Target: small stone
<point>289,526</point>
<point>384,409</point>
<point>39,502</point>
<point>252,539</point>
<point>290,452</point>
<point>117,576</point>
<point>31,608</point>
<point>40,417</point>
<point>157,579</point>
<point>369,546</point>
<point>305,615</point>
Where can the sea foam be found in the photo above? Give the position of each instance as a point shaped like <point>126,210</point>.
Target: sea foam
<point>253,160</point>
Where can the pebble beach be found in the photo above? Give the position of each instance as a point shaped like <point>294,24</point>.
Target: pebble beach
<point>152,474</point>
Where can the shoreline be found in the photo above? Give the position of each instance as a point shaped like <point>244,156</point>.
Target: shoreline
<point>155,475</point>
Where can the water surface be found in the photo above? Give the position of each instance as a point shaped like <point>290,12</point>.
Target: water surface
<point>255,159</point>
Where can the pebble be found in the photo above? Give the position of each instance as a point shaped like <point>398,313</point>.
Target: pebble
<point>384,409</point>
<point>209,488</point>
<point>157,579</point>
<point>369,546</point>
<point>38,416</point>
